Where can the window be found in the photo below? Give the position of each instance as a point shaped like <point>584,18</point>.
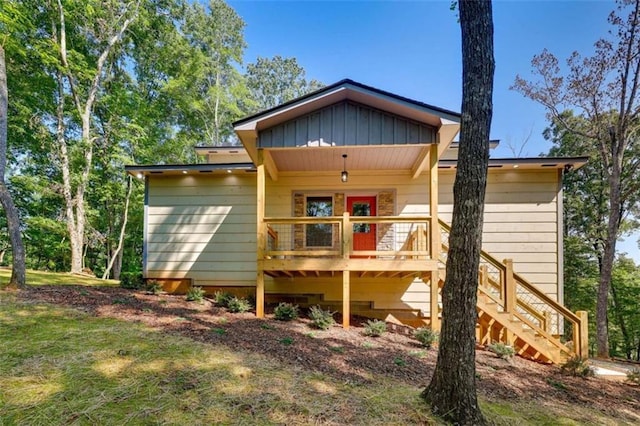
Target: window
<point>319,235</point>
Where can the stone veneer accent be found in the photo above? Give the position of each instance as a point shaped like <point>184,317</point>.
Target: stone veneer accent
<point>386,233</point>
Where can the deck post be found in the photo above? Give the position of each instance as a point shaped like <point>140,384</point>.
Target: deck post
<point>434,226</point>
<point>347,237</point>
<point>434,236</point>
<point>509,297</point>
<point>261,237</point>
<point>509,287</point>
<point>581,343</point>
<point>346,299</point>
<point>434,308</point>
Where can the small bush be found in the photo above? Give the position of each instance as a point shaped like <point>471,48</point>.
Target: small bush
<point>633,376</point>
<point>131,280</point>
<point>154,287</point>
<point>236,304</point>
<point>195,294</point>
<point>285,311</point>
<point>375,328</point>
<point>426,336</point>
<point>320,318</point>
<point>578,367</point>
<point>503,350</point>
<point>221,298</point>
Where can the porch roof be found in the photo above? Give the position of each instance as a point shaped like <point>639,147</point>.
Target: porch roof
<point>446,123</point>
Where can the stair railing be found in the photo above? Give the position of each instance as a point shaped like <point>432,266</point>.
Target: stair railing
<point>517,296</point>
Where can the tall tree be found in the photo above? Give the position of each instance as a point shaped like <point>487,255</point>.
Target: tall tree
<point>18,274</point>
<point>277,80</point>
<point>80,77</point>
<point>452,390</point>
<point>603,90</point>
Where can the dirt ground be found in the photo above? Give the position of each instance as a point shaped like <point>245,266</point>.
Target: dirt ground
<point>344,354</point>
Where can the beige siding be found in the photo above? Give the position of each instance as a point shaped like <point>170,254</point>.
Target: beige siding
<point>520,221</point>
<point>203,228</point>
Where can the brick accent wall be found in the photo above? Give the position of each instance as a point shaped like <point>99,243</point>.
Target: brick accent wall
<point>386,207</point>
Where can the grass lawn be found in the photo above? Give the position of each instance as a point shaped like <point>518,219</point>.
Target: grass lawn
<point>62,366</point>
<point>56,278</point>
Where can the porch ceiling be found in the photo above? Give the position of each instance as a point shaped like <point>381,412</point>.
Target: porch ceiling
<point>317,159</point>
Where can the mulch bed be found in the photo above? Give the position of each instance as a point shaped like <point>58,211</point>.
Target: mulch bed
<point>347,355</point>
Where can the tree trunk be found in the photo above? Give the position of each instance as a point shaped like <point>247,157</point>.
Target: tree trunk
<point>125,216</point>
<point>18,273</point>
<point>452,390</point>
<point>626,339</point>
<point>608,257</point>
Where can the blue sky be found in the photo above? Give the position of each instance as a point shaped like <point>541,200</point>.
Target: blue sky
<point>412,48</point>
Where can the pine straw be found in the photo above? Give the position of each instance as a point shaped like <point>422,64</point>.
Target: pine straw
<point>167,361</point>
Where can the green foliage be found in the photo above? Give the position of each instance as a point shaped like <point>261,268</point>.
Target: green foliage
<point>320,318</point>
<point>154,287</point>
<point>238,305</point>
<point>633,376</point>
<point>337,349</point>
<point>285,312</point>
<point>399,362</point>
<point>503,350</point>
<point>578,367</point>
<point>277,80</point>
<point>287,341</point>
<point>425,336</point>
<point>131,280</point>
<point>221,298</point>
<point>219,331</point>
<point>195,294</point>
<point>375,328</point>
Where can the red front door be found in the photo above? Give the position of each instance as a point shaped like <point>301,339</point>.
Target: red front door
<point>364,234</point>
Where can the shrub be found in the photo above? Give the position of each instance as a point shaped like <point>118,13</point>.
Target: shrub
<point>633,376</point>
<point>195,294</point>
<point>375,328</point>
<point>221,298</point>
<point>286,311</point>
<point>503,350</point>
<point>320,318</point>
<point>154,287</point>
<point>236,304</point>
<point>131,280</point>
<point>426,336</point>
<point>578,367</point>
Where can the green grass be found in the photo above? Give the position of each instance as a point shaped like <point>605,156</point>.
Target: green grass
<point>62,366</point>
<point>56,278</point>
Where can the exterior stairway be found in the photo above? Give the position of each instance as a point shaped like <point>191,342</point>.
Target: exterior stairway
<point>513,311</point>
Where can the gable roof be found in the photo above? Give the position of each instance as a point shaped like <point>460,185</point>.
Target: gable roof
<point>368,95</point>
<point>445,122</point>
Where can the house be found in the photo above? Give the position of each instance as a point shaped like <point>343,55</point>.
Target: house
<point>343,198</point>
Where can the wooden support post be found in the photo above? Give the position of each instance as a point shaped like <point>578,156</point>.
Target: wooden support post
<point>434,307</point>
<point>548,323</point>
<point>347,236</point>
<point>582,341</point>
<point>261,236</point>
<point>346,299</point>
<point>484,276</point>
<point>260,294</point>
<point>434,226</point>
<point>509,287</point>
<point>509,298</point>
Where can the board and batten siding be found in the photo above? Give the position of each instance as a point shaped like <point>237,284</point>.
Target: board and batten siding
<point>346,121</point>
<point>203,228</point>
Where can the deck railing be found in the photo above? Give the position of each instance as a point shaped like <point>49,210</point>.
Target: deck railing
<point>515,295</point>
<point>376,237</point>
